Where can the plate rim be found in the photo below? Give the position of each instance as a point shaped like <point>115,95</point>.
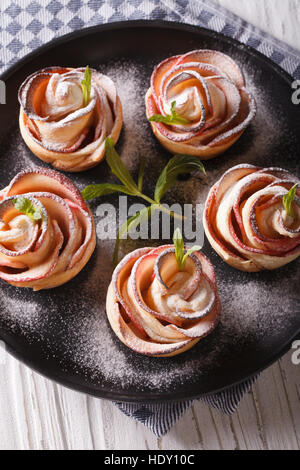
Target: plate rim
<point>161,397</point>
<point>139,397</point>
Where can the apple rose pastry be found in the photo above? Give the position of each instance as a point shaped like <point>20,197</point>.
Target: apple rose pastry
<point>158,310</point>
<point>66,115</point>
<point>198,104</point>
<point>252,218</point>
<point>47,232</point>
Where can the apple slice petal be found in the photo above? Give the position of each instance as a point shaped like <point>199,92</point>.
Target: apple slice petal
<point>142,311</point>
<point>243,218</point>
<point>247,112</point>
<point>59,245</point>
<point>158,75</point>
<point>203,328</point>
<point>210,299</point>
<point>133,340</point>
<point>232,104</point>
<point>223,62</point>
<point>166,266</point>
<point>85,220</point>
<point>56,123</point>
<point>31,91</point>
<point>120,276</point>
<point>44,180</point>
<point>140,279</point>
<point>210,95</point>
<point>44,268</point>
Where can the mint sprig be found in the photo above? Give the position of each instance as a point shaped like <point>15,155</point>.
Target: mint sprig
<point>173,118</point>
<point>141,174</point>
<point>179,164</point>
<point>95,190</point>
<point>86,85</point>
<point>132,223</point>
<point>25,206</point>
<point>288,199</point>
<point>180,252</point>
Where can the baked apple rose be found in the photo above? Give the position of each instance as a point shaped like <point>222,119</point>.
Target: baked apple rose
<point>157,310</point>
<point>252,217</point>
<point>66,115</point>
<point>47,232</point>
<point>198,104</point>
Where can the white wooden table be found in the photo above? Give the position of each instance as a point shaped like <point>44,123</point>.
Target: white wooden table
<point>38,414</point>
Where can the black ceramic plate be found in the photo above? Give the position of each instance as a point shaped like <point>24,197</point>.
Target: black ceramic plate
<point>64,333</point>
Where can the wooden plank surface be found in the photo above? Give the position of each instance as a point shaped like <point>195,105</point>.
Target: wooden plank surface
<point>38,414</point>
<point>281,18</point>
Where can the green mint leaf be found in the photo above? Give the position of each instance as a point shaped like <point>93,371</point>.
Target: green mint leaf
<point>181,254</point>
<point>179,248</point>
<point>96,190</point>
<point>173,106</point>
<point>36,215</point>
<point>141,174</point>
<point>25,206</point>
<point>178,165</point>
<point>159,118</point>
<point>130,224</point>
<point>168,119</point>
<point>189,252</point>
<point>118,168</point>
<point>288,199</point>
<point>86,85</point>
<point>173,118</point>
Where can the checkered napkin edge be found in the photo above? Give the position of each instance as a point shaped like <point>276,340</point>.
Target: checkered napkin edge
<point>26,25</point>
<point>161,417</point>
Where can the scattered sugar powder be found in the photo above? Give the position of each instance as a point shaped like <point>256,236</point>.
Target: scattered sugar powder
<point>70,322</point>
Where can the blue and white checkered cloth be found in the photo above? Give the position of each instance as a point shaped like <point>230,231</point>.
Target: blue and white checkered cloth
<point>26,25</point>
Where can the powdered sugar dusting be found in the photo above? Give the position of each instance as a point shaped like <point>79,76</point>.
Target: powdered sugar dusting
<point>69,323</point>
